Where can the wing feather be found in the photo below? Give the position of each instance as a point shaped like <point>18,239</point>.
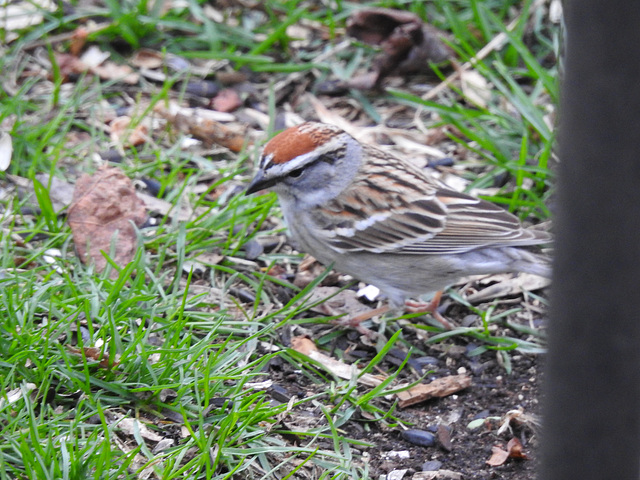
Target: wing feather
<point>400,209</point>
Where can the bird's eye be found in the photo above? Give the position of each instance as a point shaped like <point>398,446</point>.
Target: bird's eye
<point>296,173</point>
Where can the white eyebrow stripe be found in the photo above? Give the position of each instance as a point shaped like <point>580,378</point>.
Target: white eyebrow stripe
<point>266,160</point>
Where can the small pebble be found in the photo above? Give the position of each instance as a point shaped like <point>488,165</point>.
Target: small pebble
<point>441,162</point>
<point>419,437</point>
<point>202,88</point>
<point>252,249</point>
<point>279,393</point>
<point>431,466</point>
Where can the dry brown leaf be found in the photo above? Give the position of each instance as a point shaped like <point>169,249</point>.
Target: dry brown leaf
<point>145,58</point>
<point>95,354</point>
<point>105,204</point>
<point>500,456</point>
<point>112,71</point>
<point>440,387</point>
<point>515,449</point>
<point>120,129</point>
<point>408,43</point>
<point>69,65</point>
<point>78,40</point>
<point>205,129</point>
<point>340,369</point>
<point>129,426</point>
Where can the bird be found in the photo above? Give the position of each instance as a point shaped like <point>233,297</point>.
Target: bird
<point>383,220</point>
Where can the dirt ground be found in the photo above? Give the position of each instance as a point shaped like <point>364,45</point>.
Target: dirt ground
<point>509,403</point>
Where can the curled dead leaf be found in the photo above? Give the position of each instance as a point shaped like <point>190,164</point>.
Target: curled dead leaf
<point>205,129</point>
<point>95,354</point>
<point>500,456</point>
<point>408,44</point>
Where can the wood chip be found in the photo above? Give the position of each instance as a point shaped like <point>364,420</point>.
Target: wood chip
<point>338,368</point>
<point>440,387</point>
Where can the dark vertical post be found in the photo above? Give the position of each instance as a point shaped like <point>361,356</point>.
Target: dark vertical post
<point>592,404</point>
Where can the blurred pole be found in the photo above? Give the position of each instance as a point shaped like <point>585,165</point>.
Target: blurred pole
<point>592,391</point>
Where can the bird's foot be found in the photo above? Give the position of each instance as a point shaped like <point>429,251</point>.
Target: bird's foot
<point>429,307</point>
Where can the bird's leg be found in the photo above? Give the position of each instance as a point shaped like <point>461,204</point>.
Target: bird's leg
<point>410,306</point>
<point>355,321</point>
<point>429,307</point>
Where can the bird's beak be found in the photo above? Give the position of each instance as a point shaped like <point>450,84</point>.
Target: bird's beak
<point>259,182</point>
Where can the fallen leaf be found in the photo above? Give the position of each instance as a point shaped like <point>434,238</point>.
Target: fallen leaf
<point>121,133</point>
<point>20,15</point>
<point>145,58</point>
<point>95,354</point>
<point>78,40</point>
<point>408,44</point>
<point>475,88</point>
<point>500,456</point>
<point>205,129</point>
<point>69,65</point>
<point>515,449</point>
<point>105,205</point>
<point>94,57</point>
<point>444,437</point>
<point>129,426</point>
<point>440,387</point>
<point>12,396</point>
<point>113,71</point>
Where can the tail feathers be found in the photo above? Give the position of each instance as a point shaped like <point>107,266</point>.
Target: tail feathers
<point>534,263</point>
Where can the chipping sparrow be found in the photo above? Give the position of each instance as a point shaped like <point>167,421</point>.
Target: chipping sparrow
<point>385,221</point>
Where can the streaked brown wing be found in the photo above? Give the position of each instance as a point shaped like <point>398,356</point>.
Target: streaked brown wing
<point>396,207</point>
<point>447,223</point>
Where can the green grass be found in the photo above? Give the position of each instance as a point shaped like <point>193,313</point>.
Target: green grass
<point>171,349</point>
